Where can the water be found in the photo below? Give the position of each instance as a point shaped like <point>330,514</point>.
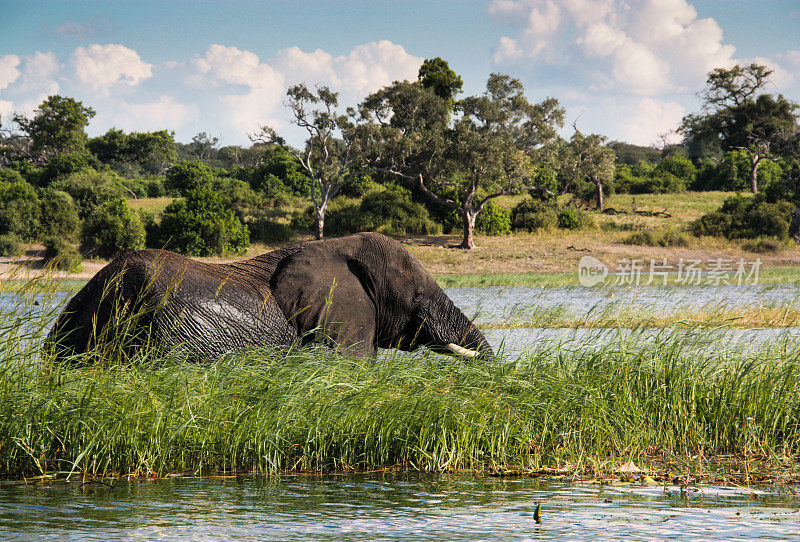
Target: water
<point>493,303</point>
<point>356,508</point>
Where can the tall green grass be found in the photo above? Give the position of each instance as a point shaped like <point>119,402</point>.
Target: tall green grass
<point>313,410</point>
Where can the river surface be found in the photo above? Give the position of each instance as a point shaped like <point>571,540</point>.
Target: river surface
<point>371,508</point>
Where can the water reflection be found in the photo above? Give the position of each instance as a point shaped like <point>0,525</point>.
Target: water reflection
<point>387,508</point>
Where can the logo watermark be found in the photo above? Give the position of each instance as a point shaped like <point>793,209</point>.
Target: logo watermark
<point>591,271</point>
<point>686,272</point>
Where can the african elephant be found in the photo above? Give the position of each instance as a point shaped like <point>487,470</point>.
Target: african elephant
<point>354,293</point>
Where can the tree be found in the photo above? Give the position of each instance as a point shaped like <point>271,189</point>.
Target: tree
<point>485,153</point>
<point>152,151</point>
<point>736,117</point>
<point>203,147</point>
<point>57,128</point>
<point>435,74</point>
<point>112,229</point>
<point>333,152</point>
<point>586,157</point>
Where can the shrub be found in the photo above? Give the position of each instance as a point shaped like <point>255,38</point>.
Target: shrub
<point>59,215</point>
<point>64,165</point>
<point>112,229</point>
<point>532,215</point>
<point>661,184</point>
<point>569,218</point>
<point>19,208</point>
<point>200,225</point>
<point>61,255</point>
<point>302,221</point>
<point>266,230</point>
<point>11,245</point>
<point>658,238</point>
<point>389,211</point>
<point>493,220</point>
<point>762,245</point>
<point>186,176</point>
<point>679,166</point>
<point>90,189</point>
<point>749,218</point>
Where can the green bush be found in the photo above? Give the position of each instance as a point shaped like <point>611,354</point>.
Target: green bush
<point>390,211</point>
<point>532,215</point>
<point>11,245</point>
<point>200,225</point>
<point>493,220</point>
<point>61,255</point>
<point>763,245</point>
<point>90,189</point>
<point>64,165</point>
<point>302,221</point>
<point>679,166</point>
<point>658,238</point>
<point>569,218</point>
<point>112,229</point>
<point>19,207</point>
<point>661,184</point>
<point>266,230</point>
<point>186,176</point>
<point>59,215</point>
<point>748,218</point>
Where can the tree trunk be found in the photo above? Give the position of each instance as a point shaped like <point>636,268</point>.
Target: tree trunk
<point>320,224</point>
<point>599,184</point>
<point>754,163</point>
<point>468,217</point>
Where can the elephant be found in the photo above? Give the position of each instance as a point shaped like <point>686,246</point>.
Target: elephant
<point>354,293</point>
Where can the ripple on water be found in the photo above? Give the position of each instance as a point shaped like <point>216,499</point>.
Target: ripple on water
<point>396,508</point>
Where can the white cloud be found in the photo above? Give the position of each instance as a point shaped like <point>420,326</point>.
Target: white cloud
<point>8,70</point>
<point>164,113</point>
<point>103,66</point>
<point>255,89</point>
<point>38,72</point>
<point>643,121</point>
<point>6,108</point>
<point>648,47</point>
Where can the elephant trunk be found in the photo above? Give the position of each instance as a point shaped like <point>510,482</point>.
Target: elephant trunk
<point>453,332</point>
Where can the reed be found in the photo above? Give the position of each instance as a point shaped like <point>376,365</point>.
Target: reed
<point>632,398</point>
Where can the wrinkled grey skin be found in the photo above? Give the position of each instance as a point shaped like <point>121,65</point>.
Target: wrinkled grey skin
<point>355,293</point>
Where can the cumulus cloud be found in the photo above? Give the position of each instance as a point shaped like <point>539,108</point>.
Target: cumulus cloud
<point>38,73</point>
<point>8,70</point>
<point>253,90</point>
<point>647,47</point>
<point>163,113</point>
<point>643,121</point>
<point>101,67</point>
<point>6,108</point>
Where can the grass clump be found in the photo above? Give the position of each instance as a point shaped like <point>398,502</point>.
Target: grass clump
<point>658,238</point>
<point>763,245</point>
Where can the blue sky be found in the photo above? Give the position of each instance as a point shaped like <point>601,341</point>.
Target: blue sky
<point>626,69</point>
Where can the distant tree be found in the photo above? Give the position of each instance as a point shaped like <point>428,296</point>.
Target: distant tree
<point>19,206</point>
<point>435,74</point>
<point>736,117</point>
<point>204,147</point>
<point>586,157</point>
<point>485,153</point>
<point>628,153</point>
<point>332,155</point>
<point>57,128</point>
<point>151,151</point>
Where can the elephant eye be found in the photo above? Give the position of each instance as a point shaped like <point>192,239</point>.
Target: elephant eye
<point>417,295</point>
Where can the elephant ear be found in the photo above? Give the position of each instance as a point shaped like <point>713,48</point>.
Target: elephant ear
<point>327,297</point>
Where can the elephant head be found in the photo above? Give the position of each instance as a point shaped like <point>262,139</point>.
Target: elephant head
<point>365,291</point>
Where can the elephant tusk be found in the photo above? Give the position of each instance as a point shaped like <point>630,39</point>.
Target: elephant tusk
<point>460,350</point>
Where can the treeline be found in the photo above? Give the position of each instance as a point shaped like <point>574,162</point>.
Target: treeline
<point>412,158</point>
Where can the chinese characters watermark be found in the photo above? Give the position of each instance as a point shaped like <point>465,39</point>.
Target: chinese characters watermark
<point>686,272</point>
